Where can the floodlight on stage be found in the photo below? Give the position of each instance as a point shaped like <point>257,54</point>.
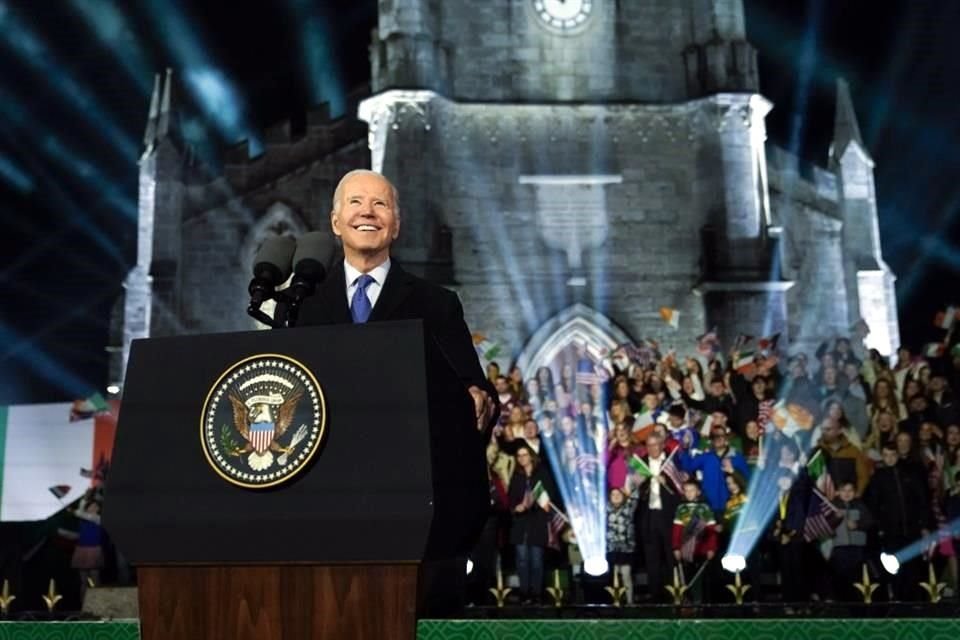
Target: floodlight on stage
<point>113,389</point>
<point>595,566</point>
<point>733,562</point>
<point>890,563</point>
<point>469,566</point>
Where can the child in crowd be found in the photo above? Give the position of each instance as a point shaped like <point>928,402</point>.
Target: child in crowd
<point>849,542</point>
<point>621,536</point>
<point>694,536</point>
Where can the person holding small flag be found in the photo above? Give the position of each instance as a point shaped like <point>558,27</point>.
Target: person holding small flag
<point>531,495</point>
<point>694,536</point>
<point>657,504</point>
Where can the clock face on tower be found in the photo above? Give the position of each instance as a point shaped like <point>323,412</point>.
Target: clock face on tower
<point>563,15</point>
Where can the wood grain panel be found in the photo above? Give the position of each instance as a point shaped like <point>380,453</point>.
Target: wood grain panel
<point>289,602</point>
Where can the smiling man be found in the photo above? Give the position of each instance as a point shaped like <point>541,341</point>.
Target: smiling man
<point>368,286</point>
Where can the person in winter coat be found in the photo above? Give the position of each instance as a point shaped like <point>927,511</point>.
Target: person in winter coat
<point>530,519</point>
<point>712,465</point>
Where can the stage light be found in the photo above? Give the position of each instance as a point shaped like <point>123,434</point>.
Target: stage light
<point>469,561</point>
<point>595,566</point>
<point>214,93</point>
<point>323,71</point>
<point>114,389</point>
<point>890,563</point>
<point>111,28</point>
<point>733,563</point>
<point>34,52</point>
<point>14,176</point>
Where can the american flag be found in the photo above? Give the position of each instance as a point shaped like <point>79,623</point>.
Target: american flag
<point>708,344</point>
<point>822,519</point>
<point>587,462</point>
<point>261,435</point>
<point>554,527</point>
<point>765,413</point>
<point>669,469</point>
<point>587,373</point>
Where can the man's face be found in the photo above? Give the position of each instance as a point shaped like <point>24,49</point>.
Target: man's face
<point>759,387</point>
<point>566,425</point>
<point>719,419</point>
<point>890,457</point>
<point>502,385</point>
<point>691,492</point>
<point>850,370</point>
<point>366,220</point>
<point>716,389</point>
<point>654,447</point>
<point>530,429</point>
<point>719,441</point>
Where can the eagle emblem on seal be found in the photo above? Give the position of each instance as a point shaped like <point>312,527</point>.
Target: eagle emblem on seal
<point>263,420</point>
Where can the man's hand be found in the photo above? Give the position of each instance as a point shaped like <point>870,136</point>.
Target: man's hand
<point>710,555</point>
<point>676,554</point>
<point>483,404</point>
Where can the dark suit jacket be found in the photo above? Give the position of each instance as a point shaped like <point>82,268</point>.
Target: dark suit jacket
<point>407,297</point>
<point>404,296</point>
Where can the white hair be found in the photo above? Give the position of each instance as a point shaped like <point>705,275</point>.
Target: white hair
<point>338,192</point>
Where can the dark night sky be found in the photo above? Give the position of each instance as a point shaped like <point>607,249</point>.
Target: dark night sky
<point>68,239</point>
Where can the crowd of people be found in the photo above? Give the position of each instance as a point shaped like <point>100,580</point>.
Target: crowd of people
<point>808,467</point>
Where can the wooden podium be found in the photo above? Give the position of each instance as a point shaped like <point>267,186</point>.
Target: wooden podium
<point>397,484</point>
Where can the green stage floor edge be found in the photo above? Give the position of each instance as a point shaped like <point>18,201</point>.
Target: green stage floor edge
<point>767,629</point>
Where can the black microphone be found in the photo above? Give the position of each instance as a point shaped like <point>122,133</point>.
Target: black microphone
<point>271,268</point>
<point>314,252</point>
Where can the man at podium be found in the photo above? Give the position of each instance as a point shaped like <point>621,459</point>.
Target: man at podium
<point>367,286</point>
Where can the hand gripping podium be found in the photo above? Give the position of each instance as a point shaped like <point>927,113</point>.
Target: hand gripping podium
<point>338,547</point>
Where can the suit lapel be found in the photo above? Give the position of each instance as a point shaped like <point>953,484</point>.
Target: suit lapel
<point>333,293</point>
<point>395,290</point>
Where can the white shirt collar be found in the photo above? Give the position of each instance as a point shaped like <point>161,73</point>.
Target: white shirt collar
<point>378,273</point>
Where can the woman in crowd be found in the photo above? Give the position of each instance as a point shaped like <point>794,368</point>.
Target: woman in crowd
<point>884,399</point>
<point>883,431</point>
<point>528,532</point>
<point>619,452</point>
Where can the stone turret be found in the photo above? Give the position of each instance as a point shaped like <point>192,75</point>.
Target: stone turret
<point>720,59</point>
<point>870,282</point>
<point>152,286</point>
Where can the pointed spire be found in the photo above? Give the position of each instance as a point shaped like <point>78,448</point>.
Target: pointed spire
<point>150,135</point>
<point>845,127</point>
<point>166,121</point>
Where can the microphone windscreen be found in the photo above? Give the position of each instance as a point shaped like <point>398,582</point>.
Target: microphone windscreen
<point>314,252</point>
<point>274,259</point>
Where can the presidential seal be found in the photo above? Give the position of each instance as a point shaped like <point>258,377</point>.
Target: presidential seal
<point>263,421</point>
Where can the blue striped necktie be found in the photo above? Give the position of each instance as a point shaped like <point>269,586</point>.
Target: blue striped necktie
<point>360,306</point>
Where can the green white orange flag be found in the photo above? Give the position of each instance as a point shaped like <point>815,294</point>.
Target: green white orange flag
<point>670,316</point>
<point>41,449</point>
<point>638,466</point>
<point>540,495</point>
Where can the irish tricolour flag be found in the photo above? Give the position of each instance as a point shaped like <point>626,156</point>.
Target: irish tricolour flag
<point>41,448</point>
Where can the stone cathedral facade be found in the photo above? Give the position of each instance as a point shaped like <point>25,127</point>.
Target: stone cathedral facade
<point>567,167</point>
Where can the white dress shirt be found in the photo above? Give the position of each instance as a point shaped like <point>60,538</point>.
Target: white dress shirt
<point>379,275</point>
<point>655,464</point>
